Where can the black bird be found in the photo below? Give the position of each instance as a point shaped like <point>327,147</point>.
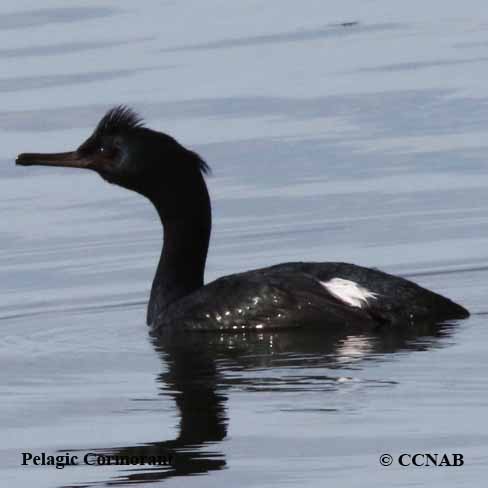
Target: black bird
<point>124,152</point>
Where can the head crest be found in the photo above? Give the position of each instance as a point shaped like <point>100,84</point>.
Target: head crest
<point>122,118</point>
<point>202,165</point>
<point>117,119</point>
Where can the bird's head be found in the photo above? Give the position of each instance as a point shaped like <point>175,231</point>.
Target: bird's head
<point>126,153</point>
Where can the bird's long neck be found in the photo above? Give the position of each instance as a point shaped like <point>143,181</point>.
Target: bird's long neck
<point>187,226</point>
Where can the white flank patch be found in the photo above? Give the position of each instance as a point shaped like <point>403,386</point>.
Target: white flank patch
<point>349,292</point>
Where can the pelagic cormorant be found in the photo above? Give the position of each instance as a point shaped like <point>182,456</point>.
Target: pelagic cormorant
<point>124,152</point>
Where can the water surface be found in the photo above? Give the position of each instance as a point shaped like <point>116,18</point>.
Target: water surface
<point>363,142</point>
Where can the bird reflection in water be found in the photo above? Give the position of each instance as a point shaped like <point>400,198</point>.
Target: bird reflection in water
<point>197,376</point>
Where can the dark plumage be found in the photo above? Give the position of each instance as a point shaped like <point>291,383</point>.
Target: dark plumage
<point>124,152</point>
<point>123,120</point>
<point>290,295</point>
<point>118,120</point>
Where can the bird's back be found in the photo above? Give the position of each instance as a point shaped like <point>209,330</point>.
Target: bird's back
<point>307,294</point>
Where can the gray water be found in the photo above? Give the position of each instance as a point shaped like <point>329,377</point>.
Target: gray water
<point>363,142</point>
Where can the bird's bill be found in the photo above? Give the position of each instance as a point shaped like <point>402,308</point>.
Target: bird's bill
<point>66,159</point>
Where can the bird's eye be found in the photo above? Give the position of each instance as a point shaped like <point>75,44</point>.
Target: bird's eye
<point>101,149</point>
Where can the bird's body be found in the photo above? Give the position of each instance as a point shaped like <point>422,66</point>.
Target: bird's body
<point>155,165</point>
<point>306,294</point>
